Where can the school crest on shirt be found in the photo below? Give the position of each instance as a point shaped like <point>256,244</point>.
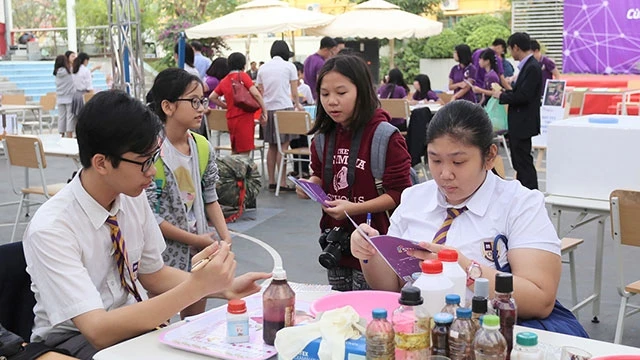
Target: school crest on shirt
<point>340,179</point>
<point>487,249</point>
<point>542,67</point>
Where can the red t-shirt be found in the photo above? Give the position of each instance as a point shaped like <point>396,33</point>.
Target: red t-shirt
<point>394,180</point>
<point>224,89</point>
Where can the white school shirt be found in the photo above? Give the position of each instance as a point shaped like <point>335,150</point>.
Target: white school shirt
<point>82,79</point>
<point>497,207</point>
<point>69,256</point>
<point>276,77</point>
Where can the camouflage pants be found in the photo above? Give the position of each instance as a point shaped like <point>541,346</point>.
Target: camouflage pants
<point>347,279</point>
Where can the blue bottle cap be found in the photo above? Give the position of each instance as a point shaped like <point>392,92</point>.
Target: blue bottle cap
<point>463,313</point>
<point>379,313</point>
<point>452,299</point>
<point>443,318</point>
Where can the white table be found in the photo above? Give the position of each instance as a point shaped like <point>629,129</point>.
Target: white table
<point>10,109</point>
<point>434,107</point>
<point>148,346</point>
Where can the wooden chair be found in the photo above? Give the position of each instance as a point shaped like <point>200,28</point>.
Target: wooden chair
<point>498,166</point>
<point>446,98</point>
<point>296,123</point>
<point>625,228</point>
<point>87,96</point>
<point>48,104</point>
<point>567,247</point>
<point>14,99</point>
<point>397,108</point>
<point>217,121</point>
<point>27,152</point>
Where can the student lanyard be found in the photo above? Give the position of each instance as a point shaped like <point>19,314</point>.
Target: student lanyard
<point>327,175</point>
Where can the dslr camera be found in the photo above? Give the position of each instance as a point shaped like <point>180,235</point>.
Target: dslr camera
<point>334,243</point>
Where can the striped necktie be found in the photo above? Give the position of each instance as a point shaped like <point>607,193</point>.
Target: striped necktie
<point>441,235</point>
<point>122,258</point>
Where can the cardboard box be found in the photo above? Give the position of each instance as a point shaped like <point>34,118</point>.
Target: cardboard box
<point>354,350</point>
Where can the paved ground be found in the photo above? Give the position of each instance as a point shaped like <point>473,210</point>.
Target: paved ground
<point>290,225</point>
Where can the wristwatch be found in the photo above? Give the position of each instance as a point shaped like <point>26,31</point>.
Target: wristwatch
<point>474,271</point>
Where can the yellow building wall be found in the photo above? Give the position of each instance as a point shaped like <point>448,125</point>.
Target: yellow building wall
<point>472,7</point>
<point>334,7</point>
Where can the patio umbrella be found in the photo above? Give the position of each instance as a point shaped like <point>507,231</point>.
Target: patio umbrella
<point>260,16</point>
<point>382,20</point>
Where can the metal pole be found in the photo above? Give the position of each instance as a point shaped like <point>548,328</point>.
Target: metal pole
<point>8,23</point>
<point>182,44</point>
<point>72,40</point>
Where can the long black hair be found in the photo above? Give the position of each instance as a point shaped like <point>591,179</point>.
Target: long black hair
<point>425,85</point>
<point>464,54</point>
<point>490,55</point>
<point>219,68</point>
<point>356,70</point>
<point>80,59</point>
<point>61,62</point>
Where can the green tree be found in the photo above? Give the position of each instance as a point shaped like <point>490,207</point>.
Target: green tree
<point>484,35</point>
<point>467,25</point>
<point>32,14</point>
<point>441,46</point>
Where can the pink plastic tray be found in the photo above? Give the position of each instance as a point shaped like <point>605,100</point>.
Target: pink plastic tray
<point>363,302</point>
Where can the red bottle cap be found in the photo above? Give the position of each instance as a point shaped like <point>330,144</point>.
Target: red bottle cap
<point>236,306</point>
<point>431,266</point>
<point>448,255</point>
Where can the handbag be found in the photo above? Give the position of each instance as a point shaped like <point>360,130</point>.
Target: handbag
<point>242,98</point>
<point>561,320</point>
<point>497,114</point>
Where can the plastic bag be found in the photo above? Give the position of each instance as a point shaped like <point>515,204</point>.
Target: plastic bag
<point>497,114</point>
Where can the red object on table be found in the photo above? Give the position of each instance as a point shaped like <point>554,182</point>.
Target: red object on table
<point>598,104</point>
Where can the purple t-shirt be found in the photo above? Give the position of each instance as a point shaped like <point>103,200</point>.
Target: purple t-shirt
<point>547,65</point>
<point>475,60</point>
<point>431,95</point>
<point>212,83</point>
<point>458,74</point>
<point>312,65</point>
<point>490,78</point>
<point>398,92</point>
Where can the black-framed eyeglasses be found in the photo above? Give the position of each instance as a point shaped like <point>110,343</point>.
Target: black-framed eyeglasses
<point>196,102</point>
<point>145,165</point>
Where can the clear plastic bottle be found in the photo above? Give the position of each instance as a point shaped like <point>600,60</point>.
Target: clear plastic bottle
<point>452,270</point>
<point>380,337</point>
<point>237,322</point>
<point>434,286</point>
<point>440,334</point>
<point>505,307</point>
<point>478,310</point>
<point>278,306</point>
<point>461,336</point>
<point>411,326</point>
<point>481,288</point>
<point>452,302</point>
<point>489,344</point>
<point>526,347</point>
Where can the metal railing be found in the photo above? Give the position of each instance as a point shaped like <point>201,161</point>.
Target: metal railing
<point>93,40</point>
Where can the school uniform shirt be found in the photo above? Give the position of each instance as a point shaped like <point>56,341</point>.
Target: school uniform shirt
<point>497,207</point>
<point>459,73</point>
<point>547,66</point>
<point>394,181</point>
<point>490,78</point>
<point>69,254</point>
<point>82,79</point>
<point>480,74</point>
<point>276,76</point>
<point>305,94</point>
<point>312,65</point>
<point>202,64</point>
<point>431,96</point>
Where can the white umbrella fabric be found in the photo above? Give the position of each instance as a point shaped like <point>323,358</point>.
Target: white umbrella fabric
<point>260,16</point>
<point>382,20</point>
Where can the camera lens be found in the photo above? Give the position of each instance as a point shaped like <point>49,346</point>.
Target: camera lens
<point>330,256</point>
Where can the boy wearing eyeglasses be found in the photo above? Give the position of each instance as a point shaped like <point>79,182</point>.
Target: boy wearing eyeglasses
<point>94,250</point>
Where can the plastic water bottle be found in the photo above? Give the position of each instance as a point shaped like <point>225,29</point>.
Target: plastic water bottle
<point>452,302</point>
<point>505,307</point>
<point>411,326</point>
<point>478,310</point>
<point>455,273</point>
<point>380,337</point>
<point>489,344</point>
<point>440,334</point>
<point>433,285</point>
<point>461,336</point>
<point>278,306</point>
<point>481,288</point>
<point>526,347</point>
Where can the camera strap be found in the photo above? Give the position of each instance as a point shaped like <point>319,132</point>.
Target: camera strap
<point>327,176</point>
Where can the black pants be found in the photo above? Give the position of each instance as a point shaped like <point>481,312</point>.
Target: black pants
<point>522,161</point>
<point>299,142</point>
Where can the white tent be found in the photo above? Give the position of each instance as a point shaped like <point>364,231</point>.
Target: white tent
<point>382,20</point>
<point>260,16</point>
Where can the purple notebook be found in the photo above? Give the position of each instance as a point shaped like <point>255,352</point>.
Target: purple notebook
<point>394,252</point>
<point>313,191</point>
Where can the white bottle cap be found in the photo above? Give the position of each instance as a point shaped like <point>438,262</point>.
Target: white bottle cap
<point>279,274</point>
<point>481,288</point>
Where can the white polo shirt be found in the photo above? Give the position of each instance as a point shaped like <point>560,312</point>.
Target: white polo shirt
<point>69,256</point>
<point>276,77</point>
<point>498,207</point>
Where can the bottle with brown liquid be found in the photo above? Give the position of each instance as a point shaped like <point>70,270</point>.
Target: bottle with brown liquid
<point>278,306</point>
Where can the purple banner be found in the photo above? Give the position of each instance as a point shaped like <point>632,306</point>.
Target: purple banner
<point>601,36</point>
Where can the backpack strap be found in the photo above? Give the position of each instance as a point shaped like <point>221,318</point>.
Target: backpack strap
<point>379,146</point>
